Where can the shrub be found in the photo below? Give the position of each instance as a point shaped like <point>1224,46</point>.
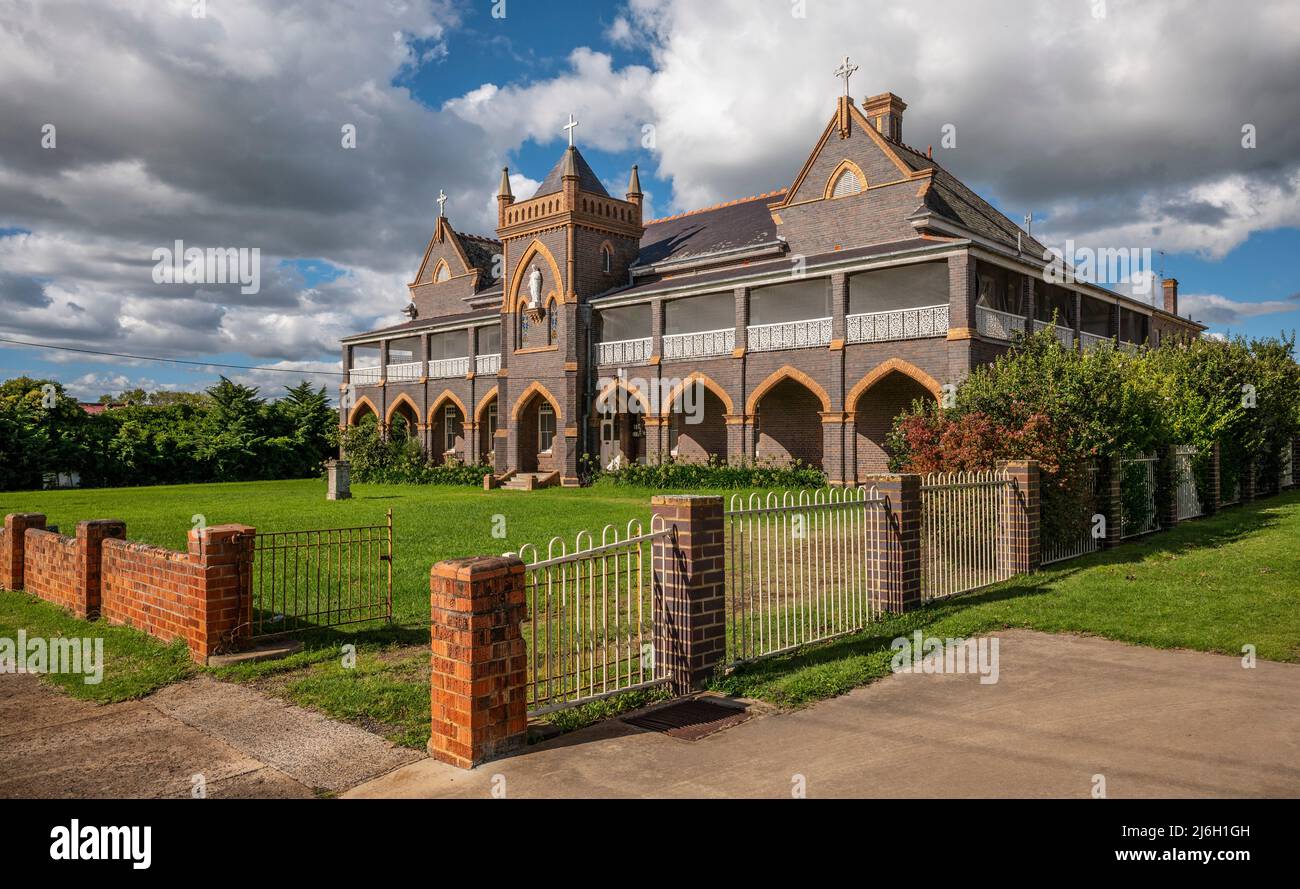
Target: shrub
<point>398,459</point>
<point>675,475</point>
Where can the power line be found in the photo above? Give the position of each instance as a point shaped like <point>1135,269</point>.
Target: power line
<point>327,373</point>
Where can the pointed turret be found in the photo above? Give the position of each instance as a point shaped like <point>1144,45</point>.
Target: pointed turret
<point>505,197</point>
<point>634,195</point>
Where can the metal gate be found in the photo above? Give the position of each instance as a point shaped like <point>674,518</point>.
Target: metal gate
<point>305,580</point>
<point>962,544</point>
<point>1187,497</point>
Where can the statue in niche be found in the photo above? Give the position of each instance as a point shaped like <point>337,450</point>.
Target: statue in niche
<point>534,288</point>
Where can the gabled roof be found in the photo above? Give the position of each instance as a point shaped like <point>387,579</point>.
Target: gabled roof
<point>735,225</point>
<point>588,181</point>
<point>475,251</point>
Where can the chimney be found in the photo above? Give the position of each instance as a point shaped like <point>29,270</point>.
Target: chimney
<point>1171,295</point>
<point>885,112</point>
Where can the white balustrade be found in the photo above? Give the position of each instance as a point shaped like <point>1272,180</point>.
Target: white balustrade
<point>997,324</point>
<point>802,334</point>
<point>624,351</point>
<point>488,363</point>
<point>364,376</point>
<point>405,372</point>
<point>897,324</point>
<point>1091,340</point>
<point>700,344</point>
<point>448,367</point>
<point>1065,335</point>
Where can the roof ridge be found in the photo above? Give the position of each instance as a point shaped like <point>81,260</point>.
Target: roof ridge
<point>766,194</point>
<point>474,237</point>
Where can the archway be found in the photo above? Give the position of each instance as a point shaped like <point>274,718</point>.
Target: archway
<point>363,412</point>
<point>697,425</point>
<point>537,420</point>
<point>403,420</point>
<point>446,428</point>
<point>787,424</point>
<point>875,407</point>
<point>487,421</point>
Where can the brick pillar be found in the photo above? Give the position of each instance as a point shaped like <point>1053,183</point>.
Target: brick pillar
<point>1108,499</point>
<point>898,553</point>
<point>1021,543</point>
<point>224,607</point>
<point>479,673</point>
<point>657,328</point>
<point>839,298</point>
<point>741,295</point>
<point>90,549</point>
<point>13,546</point>
<point>1167,487</point>
<point>833,433</point>
<point>1247,476</point>
<point>690,590</point>
<point>1295,461</point>
<point>1214,501</point>
<point>656,439</point>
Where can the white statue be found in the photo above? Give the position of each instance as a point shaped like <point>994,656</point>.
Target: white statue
<point>534,288</point>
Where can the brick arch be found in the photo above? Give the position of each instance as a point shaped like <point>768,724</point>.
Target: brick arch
<point>362,402</point>
<point>884,369</point>
<point>843,165</point>
<point>534,249</point>
<point>443,397</point>
<point>619,383</point>
<point>708,383</point>
<point>535,388</point>
<point>787,373</point>
<point>397,402</point>
<point>483,402</point>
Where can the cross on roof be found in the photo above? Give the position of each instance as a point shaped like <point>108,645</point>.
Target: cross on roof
<point>442,200</point>
<point>846,70</point>
<point>569,126</point>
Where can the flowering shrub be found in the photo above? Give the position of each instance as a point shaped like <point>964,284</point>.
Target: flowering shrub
<point>716,474</point>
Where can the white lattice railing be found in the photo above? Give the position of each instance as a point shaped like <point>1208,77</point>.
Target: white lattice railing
<point>487,364</point>
<point>448,367</point>
<point>700,344</point>
<point>1064,335</point>
<point>365,376</point>
<point>897,324</point>
<point>1091,340</point>
<point>623,351</point>
<point>997,324</point>
<point>405,372</point>
<point>802,334</point>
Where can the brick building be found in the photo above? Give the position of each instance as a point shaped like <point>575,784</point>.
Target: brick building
<point>795,324</point>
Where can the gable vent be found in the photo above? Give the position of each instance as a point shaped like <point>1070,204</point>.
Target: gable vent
<point>847,184</point>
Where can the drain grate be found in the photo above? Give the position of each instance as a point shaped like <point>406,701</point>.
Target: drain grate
<point>690,720</point>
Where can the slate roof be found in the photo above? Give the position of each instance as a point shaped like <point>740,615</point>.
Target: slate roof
<point>731,226</point>
<point>588,181</point>
<point>479,251</point>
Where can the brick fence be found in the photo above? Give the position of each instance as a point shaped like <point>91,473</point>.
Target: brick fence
<point>203,596</point>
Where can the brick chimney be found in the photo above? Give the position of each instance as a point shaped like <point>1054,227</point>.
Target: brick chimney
<point>1171,295</point>
<point>885,112</point>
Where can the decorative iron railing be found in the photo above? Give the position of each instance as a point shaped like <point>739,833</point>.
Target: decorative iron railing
<point>962,547</point>
<point>624,351</point>
<point>699,344</point>
<point>801,567</point>
<point>1064,335</point>
<point>405,372</point>
<point>803,334</point>
<point>448,367</point>
<point>488,363</point>
<point>997,324</point>
<point>897,324</point>
<point>1286,473</point>
<point>1092,340</point>
<point>365,376</point>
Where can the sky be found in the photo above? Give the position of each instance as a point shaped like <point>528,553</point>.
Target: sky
<point>129,125</point>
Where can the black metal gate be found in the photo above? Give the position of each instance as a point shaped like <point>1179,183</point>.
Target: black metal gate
<point>305,580</point>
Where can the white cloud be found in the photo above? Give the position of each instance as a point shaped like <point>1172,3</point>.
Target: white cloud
<point>1212,308</point>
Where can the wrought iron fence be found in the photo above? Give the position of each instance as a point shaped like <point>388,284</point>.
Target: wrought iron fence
<point>1137,496</point>
<point>1082,539</point>
<point>789,335</point>
<point>1186,495</point>
<point>591,617</point>
<point>623,351</point>
<point>801,568</point>
<point>700,344</point>
<point>897,324</point>
<point>304,580</point>
<point>962,544</point>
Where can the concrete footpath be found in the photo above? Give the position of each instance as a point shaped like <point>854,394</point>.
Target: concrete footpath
<point>1065,709</point>
<point>241,742</point>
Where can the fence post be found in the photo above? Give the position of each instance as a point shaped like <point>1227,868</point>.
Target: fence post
<point>1248,492</point>
<point>898,553</point>
<point>690,599</point>
<point>1021,544</point>
<point>13,546</point>
<point>90,553</point>
<point>224,603</point>
<point>1295,461</point>
<point>1108,500</point>
<point>1214,501</point>
<point>1167,486</point>
<point>478,669</point>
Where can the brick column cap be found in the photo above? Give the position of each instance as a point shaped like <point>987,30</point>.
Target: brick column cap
<point>109,524</point>
<point>23,517</point>
<point>670,499</point>
<point>478,567</point>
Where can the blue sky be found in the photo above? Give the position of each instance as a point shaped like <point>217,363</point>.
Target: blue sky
<point>225,133</point>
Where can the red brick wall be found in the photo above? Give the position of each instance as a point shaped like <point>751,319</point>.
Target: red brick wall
<point>11,547</point>
<point>874,418</point>
<point>50,570</point>
<point>789,425</point>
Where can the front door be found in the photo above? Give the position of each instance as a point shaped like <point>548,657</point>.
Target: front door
<point>609,444</point>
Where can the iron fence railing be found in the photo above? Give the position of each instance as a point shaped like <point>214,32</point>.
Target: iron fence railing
<point>700,344</point>
<point>963,546</point>
<point>801,334</point>
<point>1137,501</point>
<point>591,617</point>
<point>997,324</point>
<point>1082,537</point>
<point>624,351</point>
<point>897,324</point>
<point>1286,471</point>
<point>1187,497</point>
<point>801,568</point>
<point>304,580</point>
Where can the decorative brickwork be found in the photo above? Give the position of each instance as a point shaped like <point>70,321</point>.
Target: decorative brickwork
<point>1021,543</point>
<point>479,662</point>
<point>690,617</point>
<point>898,556</point>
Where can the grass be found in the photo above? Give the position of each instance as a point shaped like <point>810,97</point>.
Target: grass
<point>1214,585</point>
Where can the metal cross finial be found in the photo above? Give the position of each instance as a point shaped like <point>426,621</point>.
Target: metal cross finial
<point>442,200</point>
<point>569,126</point>
<point>1029,222</point>
<point>846,70</point>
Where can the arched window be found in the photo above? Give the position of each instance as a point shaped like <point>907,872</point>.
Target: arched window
<point>545,427</point>
<point>450,417</point>
<point>847,184</point>
<point>551,325</point>
<point>441,273</point>
<point>606,259</point>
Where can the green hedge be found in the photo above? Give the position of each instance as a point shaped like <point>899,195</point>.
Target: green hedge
<point>672,475</point>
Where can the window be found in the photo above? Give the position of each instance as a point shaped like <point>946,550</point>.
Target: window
<point>545,428</point>
<point>491,421</point>
<point>449,420</point>
<point>551,323</point>
<point>441,273</point>
<point>846,184</point>
<point>606,260</point>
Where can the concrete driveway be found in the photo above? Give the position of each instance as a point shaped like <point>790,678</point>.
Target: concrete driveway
<point>1065,709</point>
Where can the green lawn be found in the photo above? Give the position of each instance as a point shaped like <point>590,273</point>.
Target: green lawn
<point>1214,585</point>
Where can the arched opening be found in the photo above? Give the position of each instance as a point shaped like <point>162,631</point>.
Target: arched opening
<point>697,422</point>
<point>788,425</point>
<point>403,421</point>
<point>620,415</point>
<point>488,423</point>
<point>363,412</point>
<point>538,432</point>
<point>874,412</point>
<point>446,428</point>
